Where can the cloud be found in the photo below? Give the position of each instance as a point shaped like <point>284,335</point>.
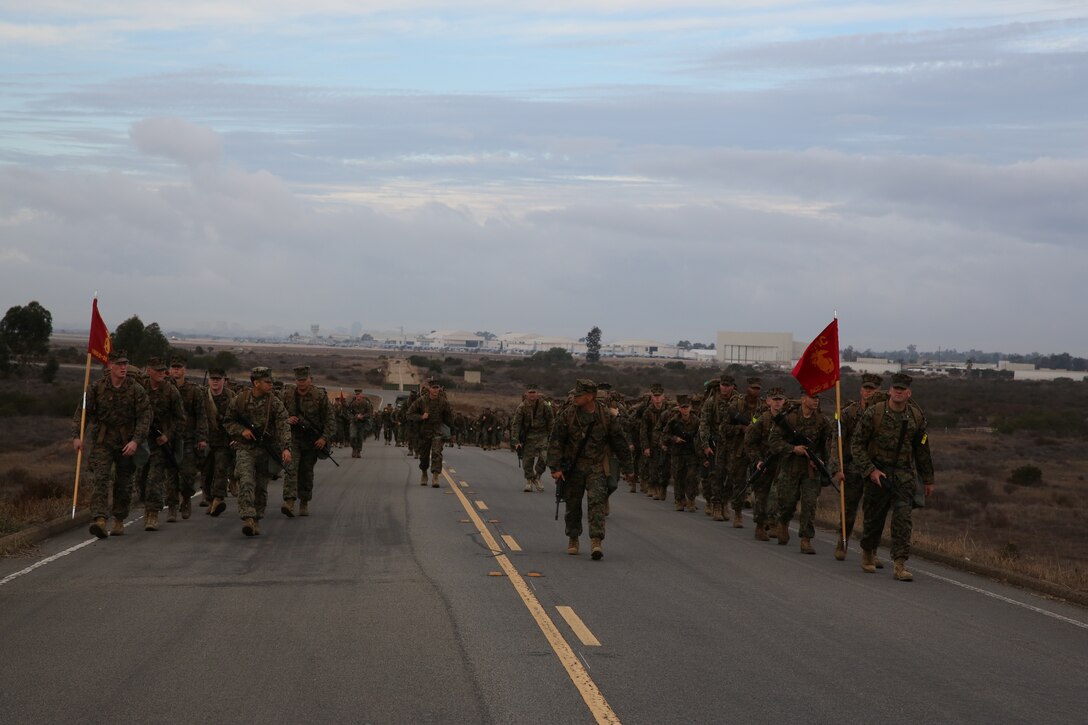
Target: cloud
<point>177,139</point>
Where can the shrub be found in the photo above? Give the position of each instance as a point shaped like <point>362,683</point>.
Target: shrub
<point>1027,476</point>
<point>979,491</point>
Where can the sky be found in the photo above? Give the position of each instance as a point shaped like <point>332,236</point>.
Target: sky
<point>662,170</point>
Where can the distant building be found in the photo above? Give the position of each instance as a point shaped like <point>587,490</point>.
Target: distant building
<point>451,340</point>
<point>527,343</point>
<point>639,348</point>
<point>757,348</point>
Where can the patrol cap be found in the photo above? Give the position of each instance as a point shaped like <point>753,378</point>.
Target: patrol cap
<point>217,373</point>
<point>871,380</point>
<point>726,380</point>
<point>776,392</point>
<point>901,380</point>
<point>434,383</point>
<point>805,393</point>
<point>657,389</point>
<point>530,387</point>
<point>604,386</point>
<point>755,382</point>
<point>156,363</point>
<point>260,373</point>
<point>712,383</point>
<point>177,362</point>
<point>683,400</point>
<point>583,386</point>
<point>118,356</point>
<point>358,391</point>
<point>302,372</point>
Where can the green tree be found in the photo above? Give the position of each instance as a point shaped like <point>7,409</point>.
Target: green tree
<point>49,371</point>
<point>25,332</point>
<point>593,345</point>
<point>139,341</point>
<point>128,335</point>
<point>153,344</point>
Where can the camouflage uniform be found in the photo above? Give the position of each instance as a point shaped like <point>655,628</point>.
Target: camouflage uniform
<point>797,479</point>
<point>530,427</point>
<point>874,446</point>
<point>725,435</point>
<point>742,412</point>
<point>313,408</point>
<point>254,467</point>
<point>360,410</point>
<point>854,482</point>
<point>181,482</point>
<point>657,475</point>
<point>590,477</point>
<point>431,438</point>
<point>219,463</point>
<point>485,425</point>
<point>115,416</point>
<point>168,414</point>
<point>686,458</point>
<point>757,445</point>
<point>387,423</point>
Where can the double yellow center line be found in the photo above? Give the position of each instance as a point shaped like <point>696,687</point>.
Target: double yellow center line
<point>588,689</point>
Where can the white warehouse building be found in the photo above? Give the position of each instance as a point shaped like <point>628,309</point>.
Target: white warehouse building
<point>751,348</point>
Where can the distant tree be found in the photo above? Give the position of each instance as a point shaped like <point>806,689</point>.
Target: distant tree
<point>366,337</point>
<point>685,345</point>
<point>198,350</point>
<point>850,354</point>
<point>50,369</point>
<point>485,334</point>
<point>552,356</point>
<point>593,345</point>
<point>128,335</point>
<point>699,346</point>
<point>25,332</point>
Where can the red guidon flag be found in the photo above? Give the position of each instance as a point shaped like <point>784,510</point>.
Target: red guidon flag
<point>99,345</point>
<point>818,368</point>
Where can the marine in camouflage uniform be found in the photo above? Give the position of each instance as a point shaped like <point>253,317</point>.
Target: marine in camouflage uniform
<point>586,419</point>
<point>181,482</point>
<point>680,433</point>
<point>118,414</point>
<point>485,426</point>
<point>257,414</point>
<point>530,428</point>
<point>657,474</point>
<point>168,416</point>
<point>854,481</point>
<point>460,428</point>
<point>798,479</point>
<point>741,413</point>
<point>219,463</point>
<point>309,414</point>
<point>720,440</point>
<point>388,423</point>
<point>757,447</point>
<point>360,410</point>
<point>434,416</point>
<point>890,447</point>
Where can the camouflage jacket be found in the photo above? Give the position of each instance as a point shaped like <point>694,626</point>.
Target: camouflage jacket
<point>438,412</point>
<point>267,415</point>
<point>314,406</point>
<point>758,437</point>
<point>874,448</point>
<point>713,412</point>
<point>193,399</point>
<point>362,407</point>
<point>674,426</point>
<point>650,424</point>
<point>606,440</point>
<point>217,412</point>
<point>115,416</point>
<point>167,410</point>
<point>531,419</point>
<point>817,428</point>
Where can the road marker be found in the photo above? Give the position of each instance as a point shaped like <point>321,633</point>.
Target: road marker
<point>510,542</point>
<point>481,505</point>
<point>578,626</point>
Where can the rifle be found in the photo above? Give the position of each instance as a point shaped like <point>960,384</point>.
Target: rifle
<point>566,467</point>
<point>797,439</point>
<point>263,439</point>
<point>760,469</point>
<point>167,448</point>
<point>312,434</point>
<point>888,479</point>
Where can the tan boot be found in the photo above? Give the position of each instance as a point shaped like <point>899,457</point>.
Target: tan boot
<point>806,546</point>
<point>633,486</point>
<point>607,506</point>
<point>597,551</point>
<point>572,545</point>
<point>840,551</point>
<point>118,527</point>
<point>528,487</point>
<point>867,562</point>
<point>423,479</point>
<point>876,561</point>
<point>901,573</point>
<point>689,506</point>
<point>761,533</point>
<point>186,507</point>
<point>217,506</point>
<point>434,480</point>
<point>538,484</point>
<point>256,527</point>
<point>783,534</point>
<point>719,512</point>
<point>288,509</point>
<point>98,528</point>
<point>304,508</point>
<point>248,525</point>
<point>151,520</point>
<point>172,515</point>
<point>738,520</point>
<point>680,505</point>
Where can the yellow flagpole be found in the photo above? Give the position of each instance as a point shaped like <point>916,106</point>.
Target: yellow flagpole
<point>842,486</point>
<point>82,424</point>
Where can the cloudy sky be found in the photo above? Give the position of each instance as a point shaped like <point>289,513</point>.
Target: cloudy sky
<point>660,169</point>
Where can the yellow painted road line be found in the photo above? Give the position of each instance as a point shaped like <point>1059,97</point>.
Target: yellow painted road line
<point>578,626</point>
<point>464,484</point>
<point>480,505</point>
<point>510,543</point>
<point>600,709</point>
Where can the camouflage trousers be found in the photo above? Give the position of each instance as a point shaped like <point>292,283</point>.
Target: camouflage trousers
<point>181,481</point>
<point>793,488</point>
<point>251,468</point>
<point>298,479</point>
<point>685,476</point>
<point>110,473</point>
<point>430,450</point>
<point>158,473</point>
<point>853,488</point>
<point>727,479</point>
<point>876,503</point>
<point>388,430</point>
<point>358,433</point>
<point>534,456</point>
<point>218,466</point>
<point>593,485</point>
<point>764,506</point>
<point>657,474</point>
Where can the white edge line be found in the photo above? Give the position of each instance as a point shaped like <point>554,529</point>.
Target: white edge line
<point>1007,600</point>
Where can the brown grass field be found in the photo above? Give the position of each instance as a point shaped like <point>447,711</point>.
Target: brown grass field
<point>977,513</point>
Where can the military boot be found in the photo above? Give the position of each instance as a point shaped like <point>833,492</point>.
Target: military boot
<point>679,504</point>
<point>709,509</point>
<point>434,480</point>
<point>304,508</point>
<point>217,506</point>
<point>172,515</point>
<point>423,479</point>
<point>806,546</point>
<point>867,565</point>
<point>186,507</point>
<point>572,545</point>
<point>840,551</point>
<point>761,533</point>
<point>151,520</point>
<point>876,561</point>
<point>204,502</point>
<point>901,573</point>
<point>633,486</point>
<point>528,487</point>
<point>256,527</point>
<point>538,484</point>
<point>719,512</point>
<point>248,525</point>
<point>783,534</point>
<point>689,506</point>
<point>288,508</point>
<point>607,506</point>
<point>738,520</point>
<point>98,528</point>
<point>595,545</point>
<point>118,527</point>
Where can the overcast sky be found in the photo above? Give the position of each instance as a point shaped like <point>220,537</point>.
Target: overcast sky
<point>661,169</point>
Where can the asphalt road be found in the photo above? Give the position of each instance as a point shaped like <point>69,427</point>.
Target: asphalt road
<point>393,603</point>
